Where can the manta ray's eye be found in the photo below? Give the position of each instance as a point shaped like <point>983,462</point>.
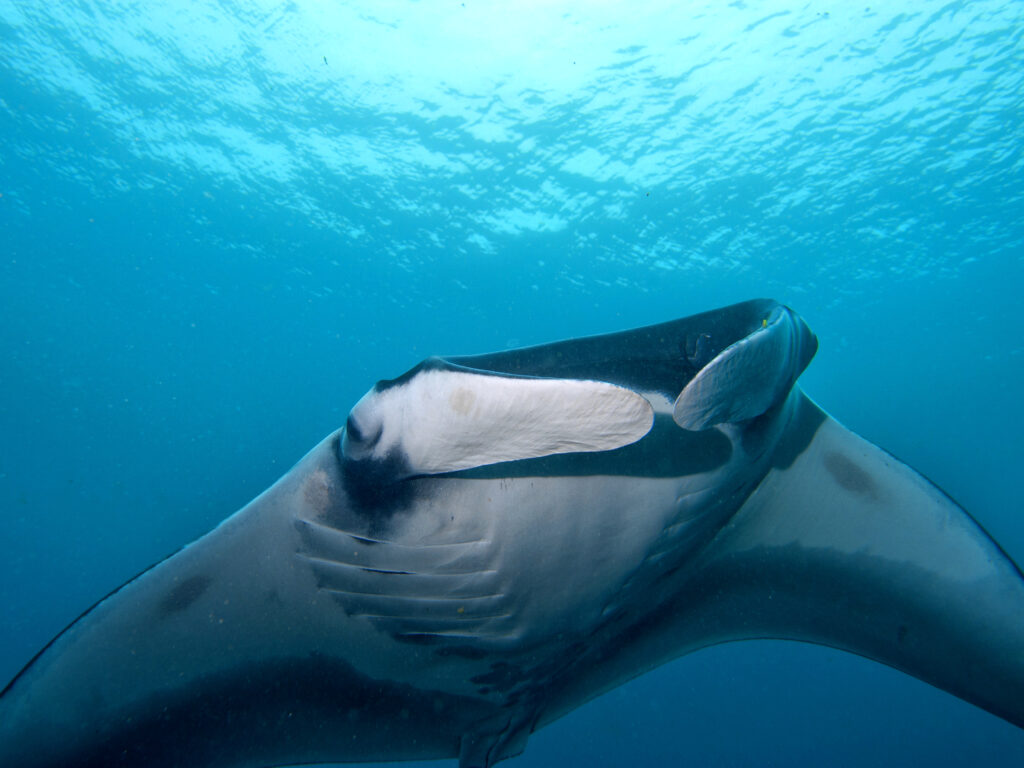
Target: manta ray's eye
<point>353,431</point>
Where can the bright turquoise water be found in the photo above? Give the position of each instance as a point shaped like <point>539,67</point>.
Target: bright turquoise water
<point>221,222</point>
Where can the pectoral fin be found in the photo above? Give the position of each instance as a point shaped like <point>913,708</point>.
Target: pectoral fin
<point>846,546</point>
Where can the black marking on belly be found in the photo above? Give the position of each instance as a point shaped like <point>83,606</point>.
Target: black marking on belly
<point>311,709</point>
<point>377,488</point>
<point>850,475</point>
<point>520,679</point>
<point>184,593</point>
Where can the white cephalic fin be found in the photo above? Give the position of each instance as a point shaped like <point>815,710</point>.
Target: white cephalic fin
<point>748,377</point>
<point>443,419</point>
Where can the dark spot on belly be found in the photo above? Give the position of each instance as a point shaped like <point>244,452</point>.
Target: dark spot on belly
<point>185,593</point>
<point>287,711</point>
<point>850,475</point>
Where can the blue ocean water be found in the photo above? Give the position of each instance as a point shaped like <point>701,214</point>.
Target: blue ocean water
<point>221,222</point>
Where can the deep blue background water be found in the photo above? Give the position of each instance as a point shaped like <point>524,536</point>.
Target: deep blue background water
<point>221,222</point>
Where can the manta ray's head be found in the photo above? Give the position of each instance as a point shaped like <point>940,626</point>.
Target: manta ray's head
<point>586,398</point>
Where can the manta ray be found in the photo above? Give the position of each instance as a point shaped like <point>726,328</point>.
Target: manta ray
<point>490,541</point>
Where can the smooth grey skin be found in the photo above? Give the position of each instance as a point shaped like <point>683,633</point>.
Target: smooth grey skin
<point>358,610</point>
